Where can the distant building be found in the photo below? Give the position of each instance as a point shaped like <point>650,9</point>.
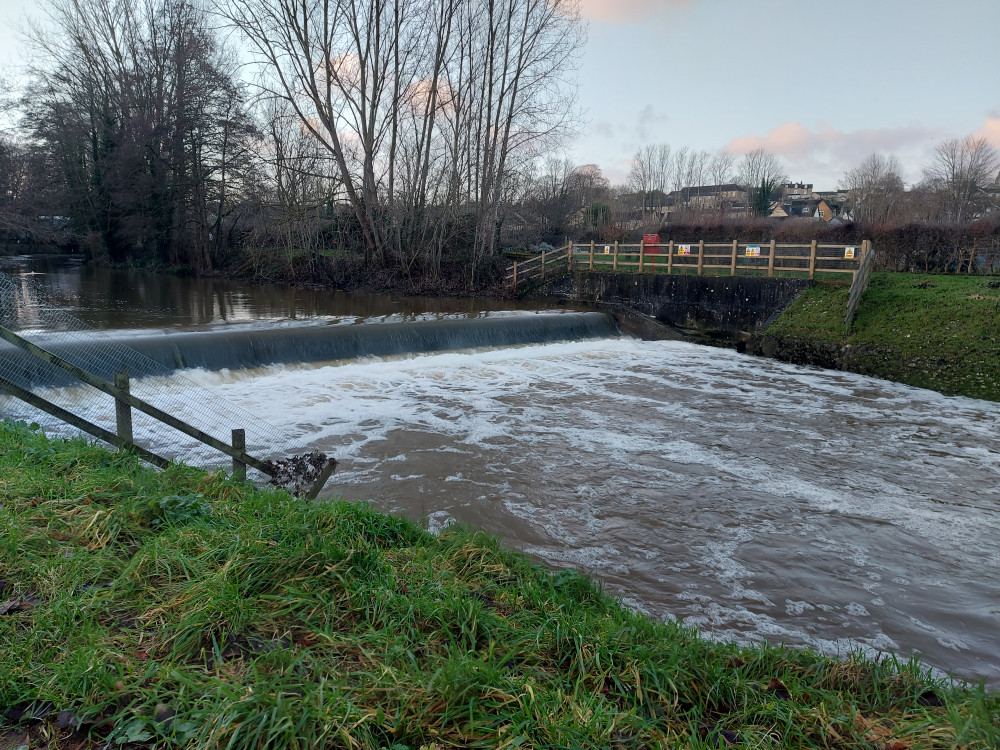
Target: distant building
<point>727,199</point>
<point>795,190</point>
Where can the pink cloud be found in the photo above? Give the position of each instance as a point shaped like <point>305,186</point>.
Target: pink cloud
<point>825,153</point>
<point>793,140</point>
<point>990,130</point>
<point>625,11</point>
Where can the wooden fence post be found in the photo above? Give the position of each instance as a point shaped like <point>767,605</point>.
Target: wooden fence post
<point>515,275</point>
<point>642,248</point>
<point>614,260</point>
<point>569,257</point>
<point>701,255</point>
<point>240,444</point>
<point>812,259</point>
<point>670,258</point>
<point>732,266</point>
<point>591,255</point>
<point>770,259</point>
<point>123,411</point>
<point>543,264</point>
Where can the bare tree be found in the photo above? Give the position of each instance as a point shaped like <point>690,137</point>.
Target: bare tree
<point>680,176</point>
<point>8,101</point>
<point>650,174</point>
<point>757,166</point>
<point>295,192</point>
<point>698,165</point>
<point>721,167</point>
<point>874,189</point>
<point>431,109</point>
<point>959,171</point>
<point>759,173</point>
<point>590,183</point>
<point>553,199</point>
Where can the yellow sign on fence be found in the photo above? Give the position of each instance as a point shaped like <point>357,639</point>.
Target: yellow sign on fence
<point>849,253</point>
<point>753,251</point>
<point>683,249</point>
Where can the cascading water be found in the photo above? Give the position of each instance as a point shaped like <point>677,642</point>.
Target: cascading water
<point>257,346</point>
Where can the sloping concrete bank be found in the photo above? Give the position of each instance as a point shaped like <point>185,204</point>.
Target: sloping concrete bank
<point>931,365</point>
<point>806,351</point>
<point>725,307</point>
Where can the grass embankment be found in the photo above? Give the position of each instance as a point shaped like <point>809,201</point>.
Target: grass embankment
<point>938,332</point>
<point>181,609</point>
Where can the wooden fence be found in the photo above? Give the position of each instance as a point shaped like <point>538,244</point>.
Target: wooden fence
<point>797,260</point>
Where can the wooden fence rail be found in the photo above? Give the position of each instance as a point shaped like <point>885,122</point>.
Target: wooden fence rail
<point>808,260</point>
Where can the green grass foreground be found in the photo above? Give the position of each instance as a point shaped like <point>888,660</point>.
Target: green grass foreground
<point>937,332</point>
<point>179,609</point>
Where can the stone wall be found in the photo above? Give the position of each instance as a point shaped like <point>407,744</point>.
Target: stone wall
<point>735,306</point>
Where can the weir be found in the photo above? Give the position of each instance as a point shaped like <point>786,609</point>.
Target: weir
<point>218,350</point>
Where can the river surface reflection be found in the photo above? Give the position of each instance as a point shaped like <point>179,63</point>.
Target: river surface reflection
<point>125,299</point>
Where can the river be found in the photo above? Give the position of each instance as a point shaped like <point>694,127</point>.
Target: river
<point>750,498</point>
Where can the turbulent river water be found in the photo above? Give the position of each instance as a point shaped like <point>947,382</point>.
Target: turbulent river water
<point>750,498</point>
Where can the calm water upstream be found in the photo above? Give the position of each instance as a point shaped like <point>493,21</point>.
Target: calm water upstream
<point>750,498</point>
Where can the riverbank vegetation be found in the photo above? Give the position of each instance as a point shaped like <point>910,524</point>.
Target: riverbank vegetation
<point>930,331</point>
<point>179,609</point>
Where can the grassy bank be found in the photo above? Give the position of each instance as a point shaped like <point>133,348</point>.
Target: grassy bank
<point>938,332</point>
<point>176,608</point>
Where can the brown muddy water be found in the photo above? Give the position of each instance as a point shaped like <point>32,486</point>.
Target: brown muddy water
<point>753,499</point>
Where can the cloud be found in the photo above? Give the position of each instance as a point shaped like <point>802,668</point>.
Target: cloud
<point>990,130</point>
<point>793,141</point>
<point>626,11</point>
<point>604,128</point>
<point>649,124</point>
<point>825,153</point>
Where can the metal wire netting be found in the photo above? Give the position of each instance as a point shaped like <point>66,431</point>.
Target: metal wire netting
<point>25,311</point>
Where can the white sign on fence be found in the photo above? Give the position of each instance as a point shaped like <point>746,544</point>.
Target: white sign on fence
<point>849,253</point>
<point>683,249</point>
<point>607,249</point>
<point>753,251</point>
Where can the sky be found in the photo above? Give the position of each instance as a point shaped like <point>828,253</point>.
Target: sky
<point>821,84</point>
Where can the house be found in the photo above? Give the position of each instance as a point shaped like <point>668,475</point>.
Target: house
<point>729,199</point>
<point>795,190</point>
<point>799,201</point>
<point>991,200</point>
<point>798,207</point>
<point>826,211</point>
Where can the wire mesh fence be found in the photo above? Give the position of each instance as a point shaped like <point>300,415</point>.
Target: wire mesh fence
<point>26,312</point>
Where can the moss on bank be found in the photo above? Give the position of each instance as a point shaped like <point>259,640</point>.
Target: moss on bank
<point>177,608</point>
<point>937,332</point>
